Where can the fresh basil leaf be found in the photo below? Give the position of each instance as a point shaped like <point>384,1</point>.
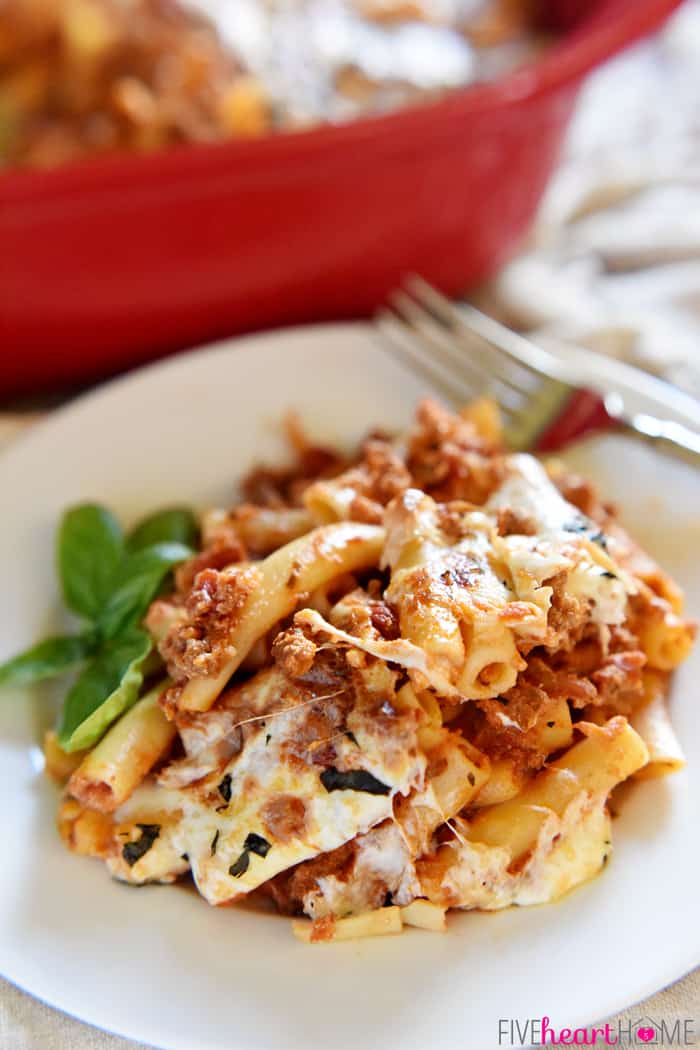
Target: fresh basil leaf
<point>49,658</point>
<point>140,575</point>
<point>225,788</point>
<point>108,686</point>
<point>90,546</point>
<point>174,525</point>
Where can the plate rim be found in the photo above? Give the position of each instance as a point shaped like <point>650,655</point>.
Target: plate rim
<point>682,406</point>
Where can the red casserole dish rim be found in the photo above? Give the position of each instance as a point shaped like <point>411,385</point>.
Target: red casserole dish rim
<point>616,25</point>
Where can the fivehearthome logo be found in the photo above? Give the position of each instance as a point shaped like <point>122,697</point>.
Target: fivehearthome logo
<point>645,1031</point>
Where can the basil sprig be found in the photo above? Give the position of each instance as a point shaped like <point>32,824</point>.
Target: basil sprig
<point>109,580</point>
<point>176,525</point>
<point>89,548</point>
<point>138,579</point>
<point>113,678</point>
<point>49,658</point>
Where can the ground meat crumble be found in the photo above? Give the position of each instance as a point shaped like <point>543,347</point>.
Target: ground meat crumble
<point>199,646</point>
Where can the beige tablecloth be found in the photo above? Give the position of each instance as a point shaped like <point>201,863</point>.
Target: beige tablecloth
<point>26,1024</point>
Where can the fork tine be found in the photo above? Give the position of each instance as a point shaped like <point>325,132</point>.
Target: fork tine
<point>400,342</point>
<point>494,360</point>
<point>514,347</point>
<point>449,348</point>
<point>417,318</point>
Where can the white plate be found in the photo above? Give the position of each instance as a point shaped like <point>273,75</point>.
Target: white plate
<point>157,964</point>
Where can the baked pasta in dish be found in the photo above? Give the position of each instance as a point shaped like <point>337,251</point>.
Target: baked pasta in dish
<point>82,78</point>
<point>388,686</point>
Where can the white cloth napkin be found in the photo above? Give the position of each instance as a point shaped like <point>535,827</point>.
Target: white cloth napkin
<point>613,262</point>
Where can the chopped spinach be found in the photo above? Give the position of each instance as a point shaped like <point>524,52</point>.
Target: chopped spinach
<point>214,841</point>
<point>240,866</point>
<point>253,844</point>
<point>579,523</point>
<point>257,844</point>
<point>133,851</point>
<point>353,780</point>
<point>225,788</point>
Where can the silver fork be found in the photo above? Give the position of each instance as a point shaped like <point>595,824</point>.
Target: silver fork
<point>465,354</point>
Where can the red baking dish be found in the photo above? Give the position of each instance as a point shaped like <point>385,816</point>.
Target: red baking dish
<point>118,260</point>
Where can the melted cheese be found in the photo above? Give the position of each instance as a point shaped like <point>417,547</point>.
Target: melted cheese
<point>382,865</point>
<point>260,787</point>
<point>260,774</point>
<point>210,827</point>
<point>451,599</point>
<point>465,604</point>
<point>562,543</point>
<point>569,851</point>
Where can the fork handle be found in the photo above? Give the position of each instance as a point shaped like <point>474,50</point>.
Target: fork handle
<point>663,434</point>
<point>586,412</point>
<point>582,412</point>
